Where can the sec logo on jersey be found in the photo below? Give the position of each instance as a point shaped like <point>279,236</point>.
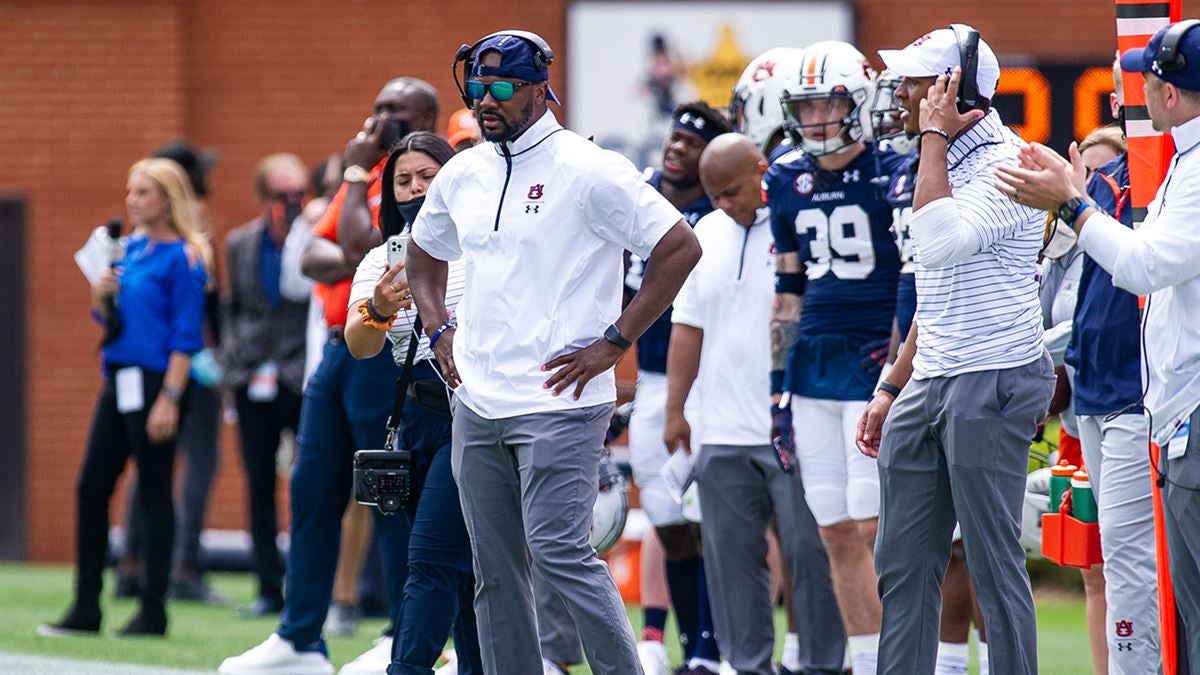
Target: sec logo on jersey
<point>804,183</point>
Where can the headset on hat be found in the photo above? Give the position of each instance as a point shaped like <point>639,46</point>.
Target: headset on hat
<point>968,58</point>
<point>543,56</point>
<point>1168,58</point>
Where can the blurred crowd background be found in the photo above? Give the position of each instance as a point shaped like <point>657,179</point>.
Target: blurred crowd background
<point>87,88</point>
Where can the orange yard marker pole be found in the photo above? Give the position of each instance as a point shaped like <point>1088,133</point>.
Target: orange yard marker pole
<point>1149,156</point>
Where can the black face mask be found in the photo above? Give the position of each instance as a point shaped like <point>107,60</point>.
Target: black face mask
<point>408,210</point>
<point>1121,118</point>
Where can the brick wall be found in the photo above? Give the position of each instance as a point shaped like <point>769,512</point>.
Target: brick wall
<point>84,90</point>
<point>87,88</point>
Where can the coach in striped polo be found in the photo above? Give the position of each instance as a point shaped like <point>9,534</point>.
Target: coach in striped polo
<point>956,443</point>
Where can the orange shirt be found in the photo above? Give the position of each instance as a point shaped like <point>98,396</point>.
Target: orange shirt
<point>336,296</point>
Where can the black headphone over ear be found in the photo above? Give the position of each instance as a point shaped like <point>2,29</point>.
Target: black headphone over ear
<point>1168,59</point>
<point>968,58</point>
<point>543,56</point>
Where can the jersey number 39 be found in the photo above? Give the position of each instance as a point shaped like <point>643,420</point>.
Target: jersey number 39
<point>840,242</point>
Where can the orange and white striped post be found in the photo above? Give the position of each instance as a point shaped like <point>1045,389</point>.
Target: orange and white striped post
<point>1149,156</point>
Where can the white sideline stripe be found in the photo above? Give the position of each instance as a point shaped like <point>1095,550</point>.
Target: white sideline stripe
<point>12,664</point>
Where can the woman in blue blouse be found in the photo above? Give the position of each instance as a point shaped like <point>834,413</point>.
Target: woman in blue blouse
<point>157,295</point>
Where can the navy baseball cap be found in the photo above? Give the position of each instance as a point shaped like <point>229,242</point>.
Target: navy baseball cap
<point>1149,59</point>
<point>517,60</point>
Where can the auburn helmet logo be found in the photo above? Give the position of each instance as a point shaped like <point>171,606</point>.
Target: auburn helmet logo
<point>764,71</point>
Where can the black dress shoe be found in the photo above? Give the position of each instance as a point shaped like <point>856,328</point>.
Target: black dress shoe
<point>78,621</point>
<point>148,621</point>
<point>191,587</point>
<point>128,586</point>
<point>262,606</point>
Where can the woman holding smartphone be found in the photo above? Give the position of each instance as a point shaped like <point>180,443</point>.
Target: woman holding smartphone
<point>439,593</point>
<point>152,306</point>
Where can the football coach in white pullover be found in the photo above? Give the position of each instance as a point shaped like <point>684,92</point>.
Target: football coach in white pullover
<point>541,216</point>
<point>957,441</point>
<point>1160,259</point>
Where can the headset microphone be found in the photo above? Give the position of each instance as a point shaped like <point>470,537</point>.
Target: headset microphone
<point>463,54</point>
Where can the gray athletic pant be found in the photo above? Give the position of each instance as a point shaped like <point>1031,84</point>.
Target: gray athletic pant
<point>527,486</point>
<point>958,447</point>
<point>1181,502</point>
<point>741,487</point>
<point>1114,452</point>
<point>556,630</point>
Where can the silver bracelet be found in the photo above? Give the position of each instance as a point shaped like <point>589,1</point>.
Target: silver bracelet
<point>935,130</point>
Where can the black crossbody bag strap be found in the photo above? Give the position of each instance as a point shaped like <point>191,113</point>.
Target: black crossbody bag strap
<point>397,415</point>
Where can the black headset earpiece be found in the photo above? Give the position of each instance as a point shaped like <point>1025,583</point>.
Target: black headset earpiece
<point>543,56</point>
<point>1168,58</point>
<point>968,59</point>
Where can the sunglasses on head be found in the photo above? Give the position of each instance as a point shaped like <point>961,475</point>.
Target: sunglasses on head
<point>501,90</point>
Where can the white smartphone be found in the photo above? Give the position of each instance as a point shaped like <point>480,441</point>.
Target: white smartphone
<point>397,249</point>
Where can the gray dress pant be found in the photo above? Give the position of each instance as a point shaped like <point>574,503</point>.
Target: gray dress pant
<point>741,488</point>
<point>1114,451</point>
<point>556,630</point>
<point>1181,510</point>
<point>958,448</point>
<point>527,486</point>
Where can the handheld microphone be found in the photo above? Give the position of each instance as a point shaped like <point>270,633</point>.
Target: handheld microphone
<point>114,240</point>
<point>113,325</point>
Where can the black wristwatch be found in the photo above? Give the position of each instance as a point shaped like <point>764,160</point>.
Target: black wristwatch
<point>1074,206</point>
<point>613,335</point>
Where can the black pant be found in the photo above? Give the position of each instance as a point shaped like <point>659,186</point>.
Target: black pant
<point>260,424</point>
<point>114,437</point>
<point>199,427</point>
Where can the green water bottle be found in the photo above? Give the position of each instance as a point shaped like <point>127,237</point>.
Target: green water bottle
<point>1083,502</point>
<point>1060,482</point>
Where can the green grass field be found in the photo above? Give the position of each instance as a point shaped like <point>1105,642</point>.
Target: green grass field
<point>200,636</point>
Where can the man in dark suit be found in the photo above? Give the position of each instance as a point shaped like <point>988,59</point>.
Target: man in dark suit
<point>263,353</point>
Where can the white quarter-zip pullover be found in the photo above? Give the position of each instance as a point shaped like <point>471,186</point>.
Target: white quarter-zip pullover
<point>541,223</point>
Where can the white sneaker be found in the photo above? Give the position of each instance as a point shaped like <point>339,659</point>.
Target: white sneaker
<point>374,661</point>
<point>449,665</point>
<point>550,668</point>
<point>653,657</point>
<point>276,656</point>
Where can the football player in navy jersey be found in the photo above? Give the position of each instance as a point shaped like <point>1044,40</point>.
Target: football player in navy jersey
<point>815,640</point>
<point>836,298</point>
<point>693,125</point>
<point>890,137</point>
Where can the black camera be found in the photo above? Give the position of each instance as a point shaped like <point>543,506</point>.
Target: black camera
<point>383,479</point>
